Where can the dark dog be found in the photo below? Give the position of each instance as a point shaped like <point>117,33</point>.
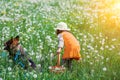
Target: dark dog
<point>18,54</point>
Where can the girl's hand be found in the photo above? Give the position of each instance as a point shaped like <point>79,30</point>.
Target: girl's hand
<point>59,50</point>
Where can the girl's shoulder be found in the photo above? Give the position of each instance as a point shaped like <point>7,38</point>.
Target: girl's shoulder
<point>66,32</point>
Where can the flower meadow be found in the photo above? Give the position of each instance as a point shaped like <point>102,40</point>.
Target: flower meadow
<point>95,23</point>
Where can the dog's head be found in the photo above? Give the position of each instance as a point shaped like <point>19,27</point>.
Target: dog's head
<point>10,44</point>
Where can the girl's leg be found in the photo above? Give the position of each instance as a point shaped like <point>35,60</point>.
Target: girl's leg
<point>64,62</point>
<point>69,64</point>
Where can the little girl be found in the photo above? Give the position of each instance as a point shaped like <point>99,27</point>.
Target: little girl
<point>70,44</point>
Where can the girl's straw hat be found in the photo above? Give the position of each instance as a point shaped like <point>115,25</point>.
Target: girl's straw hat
<point>62,26</point>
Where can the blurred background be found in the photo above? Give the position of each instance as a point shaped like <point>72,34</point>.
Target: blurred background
<point>95,23</point>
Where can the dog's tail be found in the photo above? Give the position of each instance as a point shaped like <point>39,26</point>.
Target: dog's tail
<point>33,65</point>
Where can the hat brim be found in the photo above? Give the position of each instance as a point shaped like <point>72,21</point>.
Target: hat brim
<point>62,29</point>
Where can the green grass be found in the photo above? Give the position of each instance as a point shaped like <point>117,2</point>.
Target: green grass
<point>95,29</point>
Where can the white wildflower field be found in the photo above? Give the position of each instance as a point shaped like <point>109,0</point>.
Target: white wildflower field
<point>95,24</point>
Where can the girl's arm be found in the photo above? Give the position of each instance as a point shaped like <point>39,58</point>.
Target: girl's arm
<point>60,43</point>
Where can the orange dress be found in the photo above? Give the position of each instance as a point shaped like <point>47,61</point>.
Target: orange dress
<point>71,46</point>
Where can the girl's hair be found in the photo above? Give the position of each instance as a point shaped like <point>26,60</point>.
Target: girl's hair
<point>60,31</point>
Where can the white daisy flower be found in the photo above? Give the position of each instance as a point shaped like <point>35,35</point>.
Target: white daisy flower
<point>50,67</point>
<point>104,69</point>
<point>35,75</point>
<point>1,79</point>
<point>114,39</point>
<point>9,68</point>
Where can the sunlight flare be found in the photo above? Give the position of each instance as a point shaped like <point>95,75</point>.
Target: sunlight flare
<point>117,6</point>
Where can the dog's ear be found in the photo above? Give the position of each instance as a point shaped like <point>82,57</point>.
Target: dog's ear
<point>17,37</point>
<point>11,38</point>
